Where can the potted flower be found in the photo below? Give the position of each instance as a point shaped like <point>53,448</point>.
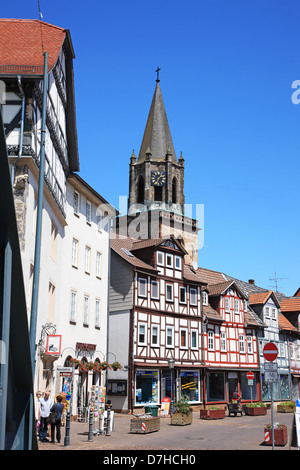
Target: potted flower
<point>214,412</point>
<point>286,407</point>
<point>255,409</point>
<point>105,365</point>
<point>182,413</point>
<point>116,366</point>
<point>280,434</point>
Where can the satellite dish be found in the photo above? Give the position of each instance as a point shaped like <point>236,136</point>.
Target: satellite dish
<point>195,265</point>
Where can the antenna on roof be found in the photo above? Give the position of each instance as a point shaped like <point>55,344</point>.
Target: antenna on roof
<point>276,279</point>
<point>41,16</point>
<point>40,13</point>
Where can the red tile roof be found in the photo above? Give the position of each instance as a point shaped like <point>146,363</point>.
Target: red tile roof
<point>290,304</point>
<point>261,298</point>
<point>22,44</point>
<point>284,324</point>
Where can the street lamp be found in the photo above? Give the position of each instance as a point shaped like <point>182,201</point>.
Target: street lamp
<point>171,364</point>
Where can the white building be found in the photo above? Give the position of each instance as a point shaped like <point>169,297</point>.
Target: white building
<point>73,295</point>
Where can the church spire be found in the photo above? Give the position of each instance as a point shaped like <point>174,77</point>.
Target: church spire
<point>157,135</point>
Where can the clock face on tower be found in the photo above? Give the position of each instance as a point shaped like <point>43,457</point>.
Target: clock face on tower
<point>158,178</point>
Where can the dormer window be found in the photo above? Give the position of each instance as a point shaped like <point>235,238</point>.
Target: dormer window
<point>205,298</point>
<point>274,313</point>
<point>160,258</point>
<point>169,261</point>
<point>177,262</point>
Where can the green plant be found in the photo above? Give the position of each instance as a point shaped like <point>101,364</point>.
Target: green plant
<point>214,408</point>
<point>288,403</point>
<point>256,405</point>
<point>182,406</point>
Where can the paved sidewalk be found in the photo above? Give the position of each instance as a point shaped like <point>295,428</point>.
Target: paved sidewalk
<point>231,433</point>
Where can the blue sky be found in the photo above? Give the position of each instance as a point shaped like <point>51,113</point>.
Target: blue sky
<point>227,68</point>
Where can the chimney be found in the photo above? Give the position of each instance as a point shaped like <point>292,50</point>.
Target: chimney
<point>251,281</point>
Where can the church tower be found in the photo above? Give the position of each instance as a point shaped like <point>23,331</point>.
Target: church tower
<point>156,202</point>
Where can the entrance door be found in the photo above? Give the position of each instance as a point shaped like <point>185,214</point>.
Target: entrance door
<point>167,388</point>
<point>233,383</point>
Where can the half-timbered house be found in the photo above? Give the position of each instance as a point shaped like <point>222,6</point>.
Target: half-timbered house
<point>230,340</point>
<point>155,323</point>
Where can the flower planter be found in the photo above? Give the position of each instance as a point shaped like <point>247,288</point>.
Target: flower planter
<point>144,425</point>
<point>212,414</point>
<point>280,436</point>
<point>181,419</point>
<point>255,411</point>
<point>283,408</point>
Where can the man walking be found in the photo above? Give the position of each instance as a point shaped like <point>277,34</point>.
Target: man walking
<point>45,406</point>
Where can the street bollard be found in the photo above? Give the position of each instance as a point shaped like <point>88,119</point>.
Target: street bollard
<point>91,417</point>
<point>68,427</point>
<point>108,421</point>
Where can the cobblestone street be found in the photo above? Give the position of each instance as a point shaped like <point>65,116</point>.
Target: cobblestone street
<point>231,433</point>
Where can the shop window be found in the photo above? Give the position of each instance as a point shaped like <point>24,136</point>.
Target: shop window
<point>189,382</point>
<point>146,387</point>
<point>248,392</point>
<point>215,386</point>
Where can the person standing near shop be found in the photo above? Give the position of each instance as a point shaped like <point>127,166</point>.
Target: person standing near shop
<point>58,408</point>
<point>45,406</point>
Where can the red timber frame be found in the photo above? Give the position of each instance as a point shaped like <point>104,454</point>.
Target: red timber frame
<point>230,346</point>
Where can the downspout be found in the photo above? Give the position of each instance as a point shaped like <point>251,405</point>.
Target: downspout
<point>13,170</point>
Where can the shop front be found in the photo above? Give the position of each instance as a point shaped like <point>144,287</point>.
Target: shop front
<point>152,385</point>
<point>220,385</point>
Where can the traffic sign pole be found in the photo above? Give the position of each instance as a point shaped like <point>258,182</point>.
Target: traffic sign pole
<point>270,353</point>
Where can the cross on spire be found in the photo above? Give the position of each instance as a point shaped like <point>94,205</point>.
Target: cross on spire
<point>157,71</point>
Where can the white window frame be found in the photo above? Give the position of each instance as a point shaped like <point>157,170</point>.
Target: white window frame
<point>182,289</point>
<point>227,304</point>
<point>75,250</point>
<point>153,343</point>
<point>236,306</point>
<point>142,282</point>
<point>99,264</point>
<point>250,344</point>
<point>242,344</point>
<point>158,254</point>
<point>97,312</point>
<point>140,327</point>
<point>87,259</point>
<point>169,299</point>
<point>186,342</point>
<point>76,204</point>
<point>88,212</point>
<point>194,333</point>
<point>73,306</point>
<point>154,283</point>
<point>178,259</point>
<point>267,312</point>
<point>193,291</point>
<point>86,309</point>
<point>274,316</point>
<point>205,298</point>
<point>211,340</point>
<point>171,329</point>
<point>223,341</point>
<point>170,257</point>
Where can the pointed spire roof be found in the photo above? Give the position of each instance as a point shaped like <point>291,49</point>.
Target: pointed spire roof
<point>157,135</point>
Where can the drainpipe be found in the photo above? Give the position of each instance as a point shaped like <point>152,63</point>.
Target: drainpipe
<point>13,170</point>
<point>37,253</point>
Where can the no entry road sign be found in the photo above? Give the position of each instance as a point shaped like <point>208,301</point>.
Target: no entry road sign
<point>270,352</point>
<point>250,375</point>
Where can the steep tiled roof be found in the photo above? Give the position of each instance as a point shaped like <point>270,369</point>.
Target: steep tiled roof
<point>122,247</point>
<point>284,324</point>
<point>290,304</point>
<point>210,277</point>
<point>23,42</point>
<point>218,289</point>
<point>262,297</point>
<point>211,313</point>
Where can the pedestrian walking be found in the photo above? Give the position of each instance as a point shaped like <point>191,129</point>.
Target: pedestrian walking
<point>38,396</point>
<point>45,406</point>
<point>57,408</point>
